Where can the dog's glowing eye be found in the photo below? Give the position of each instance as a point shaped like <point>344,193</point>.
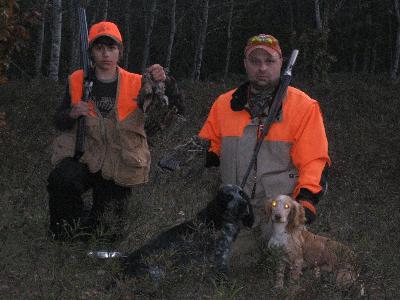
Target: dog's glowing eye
<point>286,205</point>
<point>273,203</point>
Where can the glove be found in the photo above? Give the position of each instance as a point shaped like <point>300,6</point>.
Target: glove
<point>212,159</point>
<point>310,211</point>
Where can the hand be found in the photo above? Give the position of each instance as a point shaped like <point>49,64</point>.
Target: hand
<point>79,109</point>
<point>157,72</point>
<point>310,211</point>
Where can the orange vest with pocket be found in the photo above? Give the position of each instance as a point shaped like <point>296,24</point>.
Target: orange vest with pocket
<point>116,145</point>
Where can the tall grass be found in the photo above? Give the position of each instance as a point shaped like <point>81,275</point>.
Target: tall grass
<point>361,209</point>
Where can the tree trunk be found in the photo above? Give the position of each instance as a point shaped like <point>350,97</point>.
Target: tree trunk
<point>55,40</point>
<point>372,67</point>
<point>367,49</point>
<point>366,59</point>
<point>229,39</point>
<point>104,11</point>
<point>127,35</point>
<point>318,21</point>
<point>74,58</point>
<point>40,40</point>
<point>171,35</point>
<point>201,42</point>
<point>149,31</point>
<point>395,67</point>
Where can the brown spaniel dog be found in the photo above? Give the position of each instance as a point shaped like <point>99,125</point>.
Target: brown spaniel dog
<point>304,249</point>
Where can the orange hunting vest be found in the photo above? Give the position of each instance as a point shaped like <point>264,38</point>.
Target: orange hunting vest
<point>291,157</point>
<point>116,145</point>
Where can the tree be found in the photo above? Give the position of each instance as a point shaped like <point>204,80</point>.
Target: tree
<point>40,41</point>
<point>201,41</point>
<point>171,34</point>
<point>149,30</point>
<point>127,35</point>
<point>14,33</point>
<point>104,11</point>
<point>229,39</point>
<point>395,66</point>
<point>74,57</point>
<point>55,40</point>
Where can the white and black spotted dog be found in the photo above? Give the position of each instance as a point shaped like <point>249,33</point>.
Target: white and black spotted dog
<point>193,241</point>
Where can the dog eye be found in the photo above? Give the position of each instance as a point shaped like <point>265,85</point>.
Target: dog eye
<point>273,203</point>
<point>286,205</point>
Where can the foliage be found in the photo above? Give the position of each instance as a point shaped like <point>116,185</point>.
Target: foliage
<point>315,60</point>
<point>14,32</point>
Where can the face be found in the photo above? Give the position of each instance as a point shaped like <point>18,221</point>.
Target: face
<point>105,56</point>
<point>263,69</point>
<point>280,209</point>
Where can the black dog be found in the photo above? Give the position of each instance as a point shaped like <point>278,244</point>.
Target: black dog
<point>192,241</point>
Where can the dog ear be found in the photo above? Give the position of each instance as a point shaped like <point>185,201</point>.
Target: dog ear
<point>296,216</point>
<point>301,215</point>
<point>268,209</point>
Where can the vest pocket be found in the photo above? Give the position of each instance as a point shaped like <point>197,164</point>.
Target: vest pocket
<point>63,146</point>
<point>132,165</point>
<point>134,148</point>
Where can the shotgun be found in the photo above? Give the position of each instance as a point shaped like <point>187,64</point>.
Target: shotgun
<point>87,82</point>
<point>274,111</point>
<point>272,115</point>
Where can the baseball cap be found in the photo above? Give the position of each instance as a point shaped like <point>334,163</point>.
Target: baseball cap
<point>104,28</point>
<point>263,41</point>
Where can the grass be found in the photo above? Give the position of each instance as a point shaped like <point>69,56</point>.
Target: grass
<point>361,208</point>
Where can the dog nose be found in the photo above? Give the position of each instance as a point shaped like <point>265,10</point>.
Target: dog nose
<point>278,217</point>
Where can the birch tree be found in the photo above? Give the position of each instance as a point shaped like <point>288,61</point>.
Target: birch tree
<point>317,10</point>
<point>171,34</point>
<point>40,40</point>
<point>149,30</point>
<point>395,67</point>
<point>229,39</point>
<point>127,35</point>
<point>200,42</point>
<point>104,11</point>
<point>74,58</point>
<point>55,40</point>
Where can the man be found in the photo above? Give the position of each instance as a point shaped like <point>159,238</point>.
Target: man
<point>116,155</point>
<point>293,156</point>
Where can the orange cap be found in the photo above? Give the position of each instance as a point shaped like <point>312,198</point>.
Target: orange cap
<point>263,41</point>
<point>104,29</point>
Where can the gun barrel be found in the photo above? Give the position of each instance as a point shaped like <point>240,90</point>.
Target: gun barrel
<point>87,84</point>
<point>292,61</point>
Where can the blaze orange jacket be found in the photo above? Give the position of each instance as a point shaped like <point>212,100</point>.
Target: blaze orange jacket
<point>116,145</point>
<point>292,156</point>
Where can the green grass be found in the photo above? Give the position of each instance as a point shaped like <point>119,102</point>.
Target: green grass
<point>361,208</point>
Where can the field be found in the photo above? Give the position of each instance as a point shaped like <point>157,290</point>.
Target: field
<point>361,209</point>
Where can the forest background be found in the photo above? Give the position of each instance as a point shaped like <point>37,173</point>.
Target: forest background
<point>202,39</point>
<point>349,61</point>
